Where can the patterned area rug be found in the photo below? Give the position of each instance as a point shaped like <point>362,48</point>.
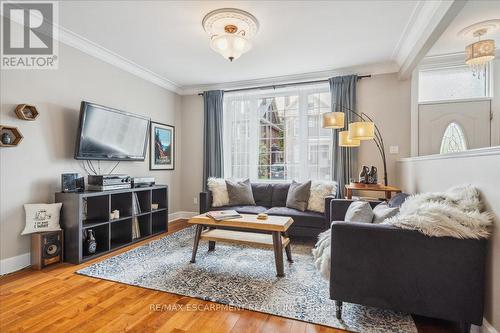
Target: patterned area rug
<point>243,277</point>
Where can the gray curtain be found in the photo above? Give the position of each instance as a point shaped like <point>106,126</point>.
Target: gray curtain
<point>213,158</point>
<point>344,162</point>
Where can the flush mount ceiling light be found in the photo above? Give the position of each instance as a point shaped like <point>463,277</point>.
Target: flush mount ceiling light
<point>479,54</point>
<point>230,31</point>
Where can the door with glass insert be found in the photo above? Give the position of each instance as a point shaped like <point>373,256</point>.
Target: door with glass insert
<point>453,126</point>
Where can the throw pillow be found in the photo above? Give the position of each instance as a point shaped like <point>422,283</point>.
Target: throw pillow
<point>398,199</point>
<point>42,217</point>
<point>383,211</point>
<point>359,211</point>
<point>240,192</point>
<point>219,192</point>
<point>298,195</point>
<point>320,190</point>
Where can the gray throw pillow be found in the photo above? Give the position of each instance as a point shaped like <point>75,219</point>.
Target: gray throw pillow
<point>383,211</point>
<point>298,195</point>
<point>359,211</point>
<point>240,192</point>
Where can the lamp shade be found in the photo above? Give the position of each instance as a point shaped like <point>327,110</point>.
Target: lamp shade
<point>230,47</point>
<point>333,120</point>
<point>361,130</point>
<point>345,141</point>
<point>480,52</point>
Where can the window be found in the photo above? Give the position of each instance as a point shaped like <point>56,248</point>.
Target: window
<point>451,83</point>
<point>453,139</point>
<point>277,135</point>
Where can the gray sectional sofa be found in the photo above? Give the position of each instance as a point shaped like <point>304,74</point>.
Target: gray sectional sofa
<point>270,198</point>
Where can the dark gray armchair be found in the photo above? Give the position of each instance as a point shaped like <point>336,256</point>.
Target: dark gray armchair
<point>403,270</point>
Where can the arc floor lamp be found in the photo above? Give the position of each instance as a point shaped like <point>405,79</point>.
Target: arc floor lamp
<point>358,131</point>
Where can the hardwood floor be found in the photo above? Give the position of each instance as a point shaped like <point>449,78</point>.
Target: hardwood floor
<point>57,300</point>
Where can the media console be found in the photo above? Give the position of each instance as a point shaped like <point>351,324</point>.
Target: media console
<point>82,211</point>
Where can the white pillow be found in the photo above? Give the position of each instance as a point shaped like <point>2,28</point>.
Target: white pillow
<point>42,217</point>
<point>219,191</point>
<point>382,211</point>
<point>359,211</point>
<point>319,190</point>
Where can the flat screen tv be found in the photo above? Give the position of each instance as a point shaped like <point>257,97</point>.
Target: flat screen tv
<point>109,134</point>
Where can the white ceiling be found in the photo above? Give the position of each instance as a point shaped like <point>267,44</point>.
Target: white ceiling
<point>473,12</point>
<point>166,37</point>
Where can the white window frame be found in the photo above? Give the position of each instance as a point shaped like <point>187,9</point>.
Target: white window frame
<point>303,94</point>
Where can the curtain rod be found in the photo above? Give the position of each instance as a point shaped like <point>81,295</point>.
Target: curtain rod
<point>274,86</point>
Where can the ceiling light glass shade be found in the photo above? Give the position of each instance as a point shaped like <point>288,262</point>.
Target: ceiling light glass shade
<point>230,47</point>
<point>480,52</point>
<point>361,130</point>
<point>333,120</point>
<point>345,141</point>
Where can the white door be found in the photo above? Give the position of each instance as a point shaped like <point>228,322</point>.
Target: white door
<point>464,124</point>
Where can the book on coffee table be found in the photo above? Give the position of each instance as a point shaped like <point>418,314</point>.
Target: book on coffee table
<point>221,215</point>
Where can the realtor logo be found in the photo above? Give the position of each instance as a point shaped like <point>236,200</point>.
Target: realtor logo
<point>29,35</point>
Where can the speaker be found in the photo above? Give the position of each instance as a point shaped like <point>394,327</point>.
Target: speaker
<point>46,248</point>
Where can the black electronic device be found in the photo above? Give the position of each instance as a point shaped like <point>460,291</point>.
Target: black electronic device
<point>72,182</point>
<point>108,134</point>
<point>143,182</point>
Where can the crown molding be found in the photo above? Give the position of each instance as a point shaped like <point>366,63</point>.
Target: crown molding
<point>373,69</point>
<point>78,42</point>
<point>427,22</point>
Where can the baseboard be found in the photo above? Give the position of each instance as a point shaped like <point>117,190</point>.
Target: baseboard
<point>16,263</point>
<point>487,327</point>
<point>181,215</point>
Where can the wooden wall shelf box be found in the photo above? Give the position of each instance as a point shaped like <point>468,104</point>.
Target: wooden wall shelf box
<point>18,137</point>
<point>109,234</point>
<point>26,112</point>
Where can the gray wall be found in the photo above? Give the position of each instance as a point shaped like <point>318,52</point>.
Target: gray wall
<point>31,172</point>
<point>385,98</point>
<point>437,174</point>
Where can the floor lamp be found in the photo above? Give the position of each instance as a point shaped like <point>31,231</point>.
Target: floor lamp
<point>357,131</point>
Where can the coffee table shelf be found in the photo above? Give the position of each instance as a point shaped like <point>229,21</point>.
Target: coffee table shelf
<point>240,237</point>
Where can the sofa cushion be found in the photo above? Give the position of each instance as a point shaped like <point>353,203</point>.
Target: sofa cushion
<point>305,219</point>
<point>383,211</point>
<point>240,192</point>
<point>359,211</point>
<point>244,209</point>
<point>280,192</point>
<point>298,195</point>
<point>398,199</point>
<point>262,194</point>
<point>219,191</point>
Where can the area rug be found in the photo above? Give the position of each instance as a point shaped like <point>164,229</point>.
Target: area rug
<point>243,277</point>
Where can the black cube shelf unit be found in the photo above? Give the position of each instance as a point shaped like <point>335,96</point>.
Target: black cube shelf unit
<point>91,210</point>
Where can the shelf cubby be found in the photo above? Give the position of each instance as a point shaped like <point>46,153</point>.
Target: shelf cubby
<point>144,198</point>
<point>159,221</point>
<point>101,234</point>
<point>97,209</point>
<point>90,210</point>
<point>121,233</point>
<point>123,203</point>
<point>159,196</point>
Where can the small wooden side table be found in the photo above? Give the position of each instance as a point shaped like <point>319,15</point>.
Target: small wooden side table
<point>349,188</point>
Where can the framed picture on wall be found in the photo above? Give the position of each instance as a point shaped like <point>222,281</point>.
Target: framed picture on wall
<point>162,147</point>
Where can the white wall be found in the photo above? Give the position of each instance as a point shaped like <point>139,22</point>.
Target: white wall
<point>428,174</point>
<point>31,172</point>
<point>383,97</point>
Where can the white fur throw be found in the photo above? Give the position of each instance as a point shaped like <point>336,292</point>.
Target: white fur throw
<point>219,191</point>
<point>319,190</point>
<point>454,213</point>
<point>321,254</point>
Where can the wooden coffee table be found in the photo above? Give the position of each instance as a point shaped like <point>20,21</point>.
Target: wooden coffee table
<point>272,233</point>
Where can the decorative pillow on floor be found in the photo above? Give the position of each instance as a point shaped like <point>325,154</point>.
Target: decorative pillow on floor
<point>42,217</point>
<point>319,191</point>
<point>240,192</point>
<point>383,211</point>
<point>359,211</point>
<point>219,191</point>
<point>298,195</point>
